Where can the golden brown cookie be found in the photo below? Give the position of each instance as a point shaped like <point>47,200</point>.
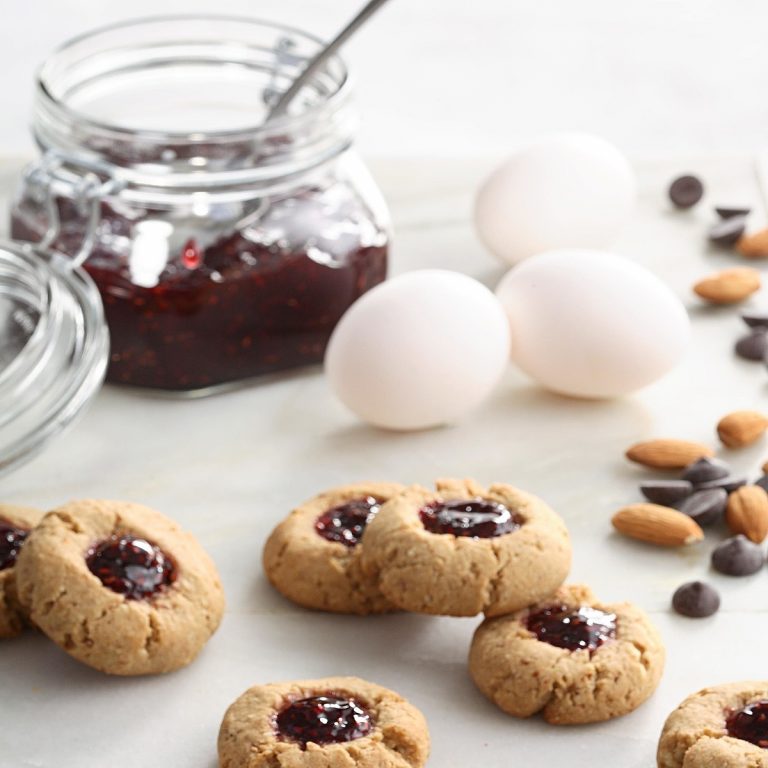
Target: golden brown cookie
<point>725,726</point>
<point>15,525</point>
<point>314,556</point>
<point>335,722</point>
<point>465,549</point>
<point>571,657</point>
<point>120,587</point>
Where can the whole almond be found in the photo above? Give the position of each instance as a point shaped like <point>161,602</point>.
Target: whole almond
<point>741,428</point>
<point>754,246</point>
<point>656,524</point>
<point>729,286</point>
<point>667,453</point>
<point>747,512</point>
<point>765,467</point>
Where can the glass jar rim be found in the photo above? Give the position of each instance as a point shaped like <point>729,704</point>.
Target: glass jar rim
<point>190,70</point>
<point>281,122</point>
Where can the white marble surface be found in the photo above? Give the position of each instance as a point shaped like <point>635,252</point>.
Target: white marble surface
<point>230,467</point>
<point>451,76</point>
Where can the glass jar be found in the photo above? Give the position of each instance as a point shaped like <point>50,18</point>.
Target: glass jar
<point>223,248</point>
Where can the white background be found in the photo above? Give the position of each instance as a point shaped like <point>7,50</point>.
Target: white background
<point>459,76</point>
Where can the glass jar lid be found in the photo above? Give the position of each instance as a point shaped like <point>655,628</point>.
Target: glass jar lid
<point>54,347</point>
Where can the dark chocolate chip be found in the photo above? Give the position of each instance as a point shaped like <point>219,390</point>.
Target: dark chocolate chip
<point>686,191</point>
<point>754,345</point>
<point>738,556</point>
<point>728,231</point>
<point>696,600</point>
<point>755,319</point>
<point>705,469</point>
<point>666,492</point>
<point>729,213</point>
<point>728,484</point>
<point>705,507</point>
<point>763,482</point>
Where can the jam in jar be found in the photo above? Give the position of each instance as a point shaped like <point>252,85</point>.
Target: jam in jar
<point>223,247</point>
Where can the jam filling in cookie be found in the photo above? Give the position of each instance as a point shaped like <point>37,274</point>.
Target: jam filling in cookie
<point>11,542</point>
<point>750,724</point>
<point>473,518</point>
<point>346,523</point>
<point>131,566</point>
<point>563,626</point>
<point>325,719</point>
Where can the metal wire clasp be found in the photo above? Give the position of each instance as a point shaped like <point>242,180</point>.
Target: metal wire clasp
<point>84,182</point>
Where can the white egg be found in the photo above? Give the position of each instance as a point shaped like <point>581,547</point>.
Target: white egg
<point>567,190</point>
<point>419,350</point>
<point>592,324</point>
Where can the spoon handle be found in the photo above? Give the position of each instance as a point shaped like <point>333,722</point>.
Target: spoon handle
<point>281,106</point>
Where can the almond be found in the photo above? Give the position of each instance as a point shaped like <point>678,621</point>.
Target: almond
<point>729,286</point>
<point>747,512</point>
<point>657,525</point>
<point>765,467</point>
<point>667,453</point>
<point>754,246</point>
<point>741,428</point>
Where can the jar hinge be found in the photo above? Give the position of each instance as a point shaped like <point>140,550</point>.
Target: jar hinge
<point>55,176</point>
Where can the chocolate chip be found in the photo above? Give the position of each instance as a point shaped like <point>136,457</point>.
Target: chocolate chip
<point>729,213</point>
<point>753,346</point>
<point>705,469</point>
<point>696,600</point>
<point>755,319</point>
<point>728,231</point>
<point>686,191</point>
<point>705,507</point>
<point>763,482</point>
<point>666,492</point>
<point>728,484</point>
<point>737,556</point>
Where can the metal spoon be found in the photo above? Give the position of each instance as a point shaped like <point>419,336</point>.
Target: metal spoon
<point>282,104</point>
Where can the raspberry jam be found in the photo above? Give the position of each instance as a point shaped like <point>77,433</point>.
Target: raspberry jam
<point>575,630</point>
<point>131,566</point>
<point>325,719</point>
<point>11,541</point>
<point>750,724</point>
<point>473,518</point>
<point>232,304</point>
<point>346,523</point>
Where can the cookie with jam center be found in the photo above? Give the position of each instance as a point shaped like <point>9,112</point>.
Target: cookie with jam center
<point>314,556</point>
<point>464,549</point>
<point>120,587</point>
<point>334,722</point>
<point>15,524</point>
<point>571,658</point>
<point>724,726</point>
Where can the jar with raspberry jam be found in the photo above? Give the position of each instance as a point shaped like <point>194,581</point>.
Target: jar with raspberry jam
<point>224,247</point>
